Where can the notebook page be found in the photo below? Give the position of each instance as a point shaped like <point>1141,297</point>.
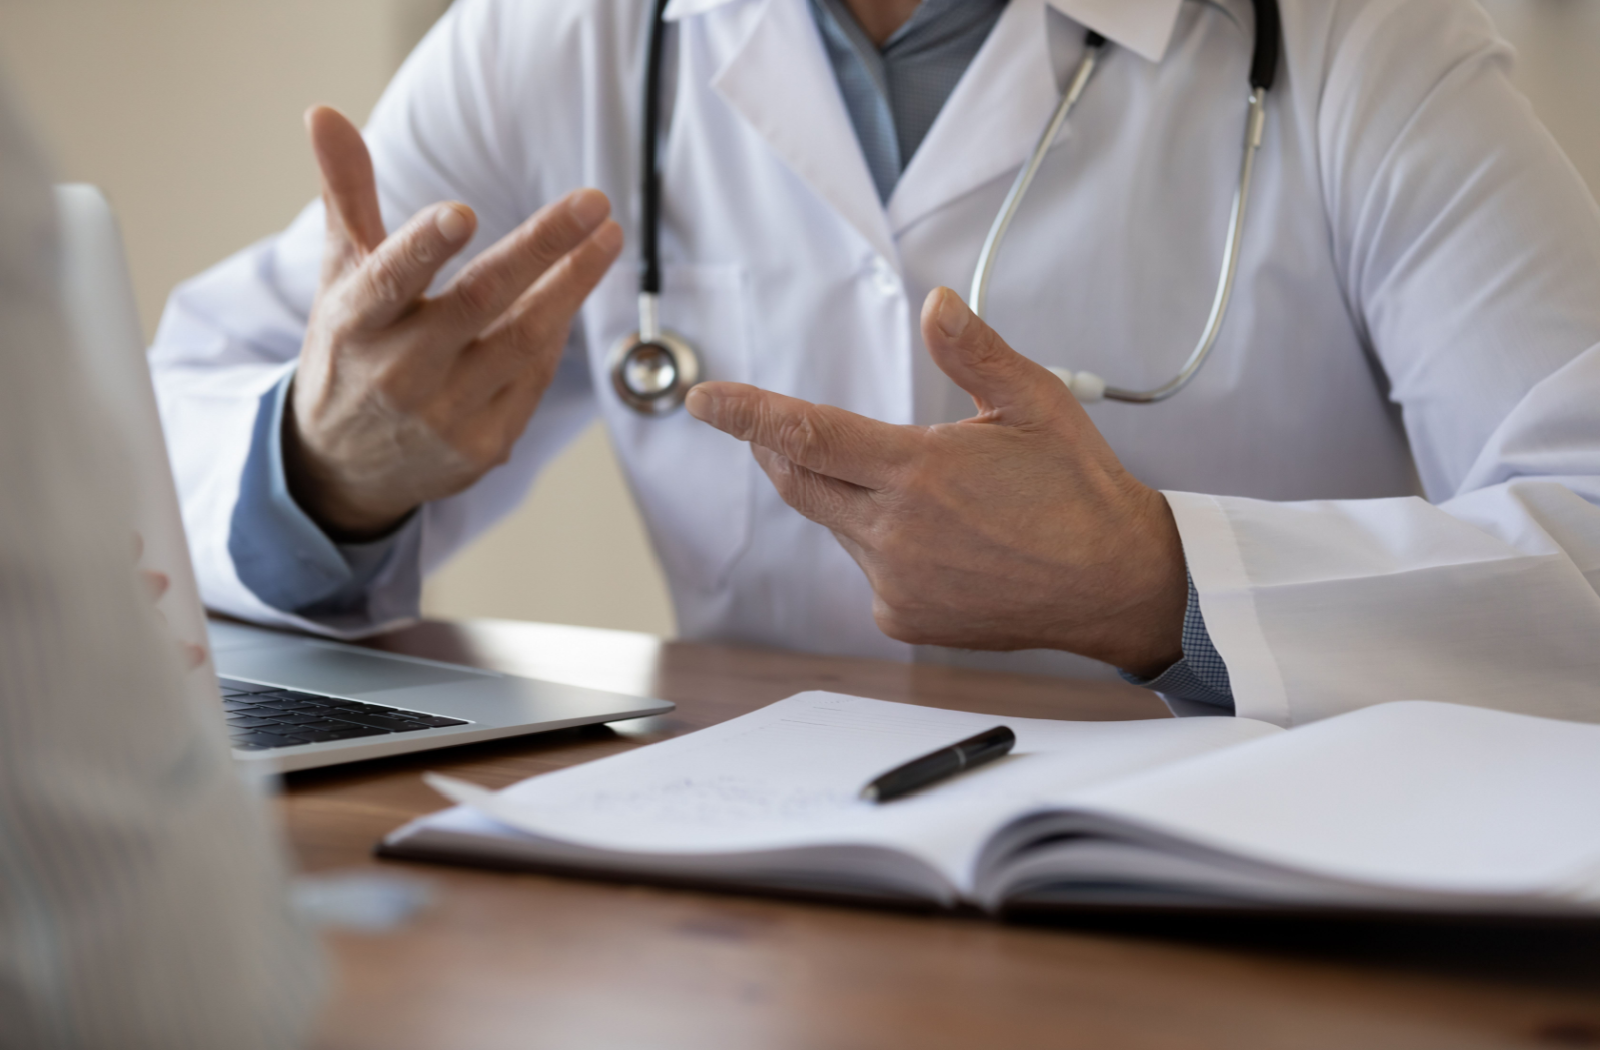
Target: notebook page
<point>789,775</point>
<point>1415,796</point>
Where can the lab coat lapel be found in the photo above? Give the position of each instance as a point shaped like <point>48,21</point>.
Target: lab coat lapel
<point>991,121</point>
<point>779,80</point>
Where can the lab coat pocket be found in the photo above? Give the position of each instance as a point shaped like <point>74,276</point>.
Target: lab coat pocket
<point>692,482</point>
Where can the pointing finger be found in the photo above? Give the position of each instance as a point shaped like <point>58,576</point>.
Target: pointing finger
<point>392,278</point>
<point>822,438</point>
<point>348,186</point>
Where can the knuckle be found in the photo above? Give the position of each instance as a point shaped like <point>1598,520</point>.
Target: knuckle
<point>547,244</point>
<point>990,348</point>
<point>509,433</point>
<point>417,254</point>
<point>888,540</point>
<point>340,316</point>
<point>781,471</point>
<point>918,487</point>
<point>798,434</point>
<point>482,453</point>
<point>541,336</point>
<point>893,623</point>
<point>394,393</point>
<point>401,261</point>
<point>384,283</point>
<point>553,235</point>
<point>739,416</point>
<point>565,285</point>
<point>485,445</point>
<point>884,535</point>
<point>478,292</point>
<point>389,273</point>
<point>812,497</point>
<point>334,315</point>
<point>537,373</point>
<point>521,349</point>
<point>589,263</point>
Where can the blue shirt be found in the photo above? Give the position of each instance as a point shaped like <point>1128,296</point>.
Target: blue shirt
<point>893,95</point>
<point>290,563</point>
<point>895,92</point>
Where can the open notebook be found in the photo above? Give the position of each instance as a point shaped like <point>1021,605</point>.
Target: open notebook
<point>1414,806</point>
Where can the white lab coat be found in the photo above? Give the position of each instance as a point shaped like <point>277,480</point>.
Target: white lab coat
<point>1417,315</point>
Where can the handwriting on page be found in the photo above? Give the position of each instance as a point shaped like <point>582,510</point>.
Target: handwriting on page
<point>716,801</point>
<point>800,766</point>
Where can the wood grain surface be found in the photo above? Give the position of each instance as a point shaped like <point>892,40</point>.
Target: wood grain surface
<point>521,960</point>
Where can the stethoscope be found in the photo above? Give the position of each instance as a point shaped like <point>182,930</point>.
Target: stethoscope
<point>652,369</point>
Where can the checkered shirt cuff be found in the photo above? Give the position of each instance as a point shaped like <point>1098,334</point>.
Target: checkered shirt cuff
<point>1200,675</point>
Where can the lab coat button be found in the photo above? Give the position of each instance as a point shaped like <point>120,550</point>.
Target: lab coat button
<point>884,277</point>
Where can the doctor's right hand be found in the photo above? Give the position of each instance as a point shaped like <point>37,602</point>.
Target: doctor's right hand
<point>400,399</point>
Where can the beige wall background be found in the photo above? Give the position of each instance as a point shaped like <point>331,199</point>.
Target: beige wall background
<point>188,113</point>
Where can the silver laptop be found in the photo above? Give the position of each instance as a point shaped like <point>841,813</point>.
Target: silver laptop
<point>291,701</point>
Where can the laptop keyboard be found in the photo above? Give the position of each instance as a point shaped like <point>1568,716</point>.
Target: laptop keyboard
<point>261,717</point>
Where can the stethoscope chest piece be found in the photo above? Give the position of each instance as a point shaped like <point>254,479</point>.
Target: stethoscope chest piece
<point>653,376</point>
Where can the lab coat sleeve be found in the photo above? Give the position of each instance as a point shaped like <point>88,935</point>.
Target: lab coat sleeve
<point>1470,254</point>
<point>454,125</point>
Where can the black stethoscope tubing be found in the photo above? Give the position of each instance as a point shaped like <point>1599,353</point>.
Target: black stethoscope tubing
<point>649,164</point>
<point>653,369</point>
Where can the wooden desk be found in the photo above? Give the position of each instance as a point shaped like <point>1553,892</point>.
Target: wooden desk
<point>532,961</point>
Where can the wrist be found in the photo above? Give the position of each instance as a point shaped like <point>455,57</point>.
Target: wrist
<point>1156,654</point>
<point>319,491</point>
<point>1147,595</point>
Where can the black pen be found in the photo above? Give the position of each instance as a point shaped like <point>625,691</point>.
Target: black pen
<point>945,762</point>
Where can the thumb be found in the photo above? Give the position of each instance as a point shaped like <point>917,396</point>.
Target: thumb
<point>349,188</point>
<point>1001,381</point>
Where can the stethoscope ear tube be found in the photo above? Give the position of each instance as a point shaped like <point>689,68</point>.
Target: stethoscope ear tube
<point>652,369</point>
<point>1254,129</point>
<point>1087,386</point>
<point>978,299</point>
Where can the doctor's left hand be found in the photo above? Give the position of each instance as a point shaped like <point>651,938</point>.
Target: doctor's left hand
<point>401,398</point>
<point>1015,529</point>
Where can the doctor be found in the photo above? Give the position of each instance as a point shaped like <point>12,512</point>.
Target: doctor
<point>1383,485</point>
